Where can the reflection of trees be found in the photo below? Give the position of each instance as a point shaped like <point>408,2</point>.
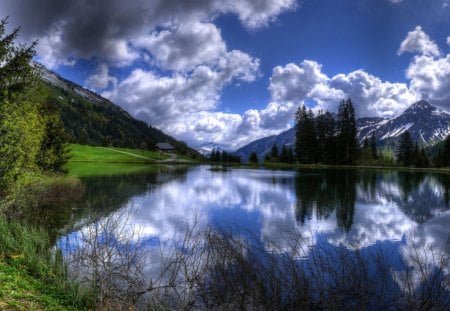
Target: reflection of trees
<point>102,194</point>
<point>325,191</point>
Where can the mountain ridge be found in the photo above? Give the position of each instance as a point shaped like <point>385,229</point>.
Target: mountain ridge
<point>90,119</point>
<point>427,124</point>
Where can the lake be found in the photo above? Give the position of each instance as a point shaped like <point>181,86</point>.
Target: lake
<point>358,211</point>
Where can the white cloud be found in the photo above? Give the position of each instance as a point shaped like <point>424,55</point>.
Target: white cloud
<point>257,14</point>
<point>184,46</point>
<point>293,83</point>
<point>430,78</point>
<point>101,79</point>
<point>448,41</point>
<point>371,96</point>
<point>417,41</point>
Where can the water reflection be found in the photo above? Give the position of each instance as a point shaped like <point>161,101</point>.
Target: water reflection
<point>350,208</point>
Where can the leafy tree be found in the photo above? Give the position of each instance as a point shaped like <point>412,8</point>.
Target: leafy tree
<point>253,157</point>
<point>53,152</point>
<point>326,137</point>
<point>347,143</point>
<point>305,142</point>
<point>21,125</point>
<point>405,150</point>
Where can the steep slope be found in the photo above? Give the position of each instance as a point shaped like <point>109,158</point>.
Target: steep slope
<point>427,124</point>
<point>262,146</point>
<point>90,119</point>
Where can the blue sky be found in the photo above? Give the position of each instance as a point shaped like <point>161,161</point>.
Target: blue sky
<point>234,71</point>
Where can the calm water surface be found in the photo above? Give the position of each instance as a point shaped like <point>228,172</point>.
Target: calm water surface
<point>354,209</point>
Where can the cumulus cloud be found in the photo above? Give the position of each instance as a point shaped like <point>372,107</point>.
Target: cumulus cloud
<point>306,81</point>
<point>184,46</point>
<point>371,95</point>
<point>101,79</point>
<point>430,78</point>
<point>417,41</point>
<point>293,83</point>
<point>107,28</point>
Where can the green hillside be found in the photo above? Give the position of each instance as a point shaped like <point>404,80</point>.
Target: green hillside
<point>90,119</point>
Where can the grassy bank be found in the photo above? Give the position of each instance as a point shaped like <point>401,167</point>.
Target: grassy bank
<point>32,276</point>
<point>81,153</point>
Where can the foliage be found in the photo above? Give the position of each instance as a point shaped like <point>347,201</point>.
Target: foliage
<point>305,136</point>
<point>31,139</point>
<point>31,275</point>
<point>405,149</point>
<point>286,155</point>
<point>253,157</point>
<point>326,137</point>
<point>53,153</point>
<point>224,157</point>
<point>347,143</point>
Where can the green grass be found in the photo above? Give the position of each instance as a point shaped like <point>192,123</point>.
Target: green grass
<point>31,274</point>
<point>21,291</point>
<point>81,153</point>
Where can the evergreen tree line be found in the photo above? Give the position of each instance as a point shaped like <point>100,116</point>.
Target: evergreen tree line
<point>322,139</point>
<point>32,139</point>
<point>409,154</point>
<point>224,157</point>
<point>286,155</point>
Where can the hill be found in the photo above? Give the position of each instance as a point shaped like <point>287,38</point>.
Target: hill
<point>427,124</point>
<point>90,119</point>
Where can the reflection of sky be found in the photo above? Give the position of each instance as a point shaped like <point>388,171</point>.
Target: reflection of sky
<point>263,203</point>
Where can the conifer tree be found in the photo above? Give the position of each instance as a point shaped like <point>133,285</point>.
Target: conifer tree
<point>326,137</point>
<point>405,150</point>
<point>253,157</point>
<point>306,142</point>
<point>347,143</point>
<point>373,145</point>
<point>274,152</point>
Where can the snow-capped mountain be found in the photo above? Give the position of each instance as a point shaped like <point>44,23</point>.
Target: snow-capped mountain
<point>208,147</point>
<point>427,124</point>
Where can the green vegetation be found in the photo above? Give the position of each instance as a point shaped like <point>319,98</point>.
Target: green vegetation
<point>92,120</point>
<point>80,153</point>
<point>32,277</point>
<point>31,141</point>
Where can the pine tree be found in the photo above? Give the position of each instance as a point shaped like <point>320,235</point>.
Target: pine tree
<point>274,152</point>
<point>306,142</point>
<point>373,145</point>
<point>347,143</point>
<point>366,156</point>
<point>284,156</point>
<point>326,138</point>
<point>405,150</point>
<point>253,157</point>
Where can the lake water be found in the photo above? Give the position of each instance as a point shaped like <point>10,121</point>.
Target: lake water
<point>350,209</point>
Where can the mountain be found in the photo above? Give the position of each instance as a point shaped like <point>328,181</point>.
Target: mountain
<point>90,119</point>
<point>206,148</point>
<point>262,146</point>
<point>427,124</point>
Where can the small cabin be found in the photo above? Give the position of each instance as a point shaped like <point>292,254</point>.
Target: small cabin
<point>165,147</point>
